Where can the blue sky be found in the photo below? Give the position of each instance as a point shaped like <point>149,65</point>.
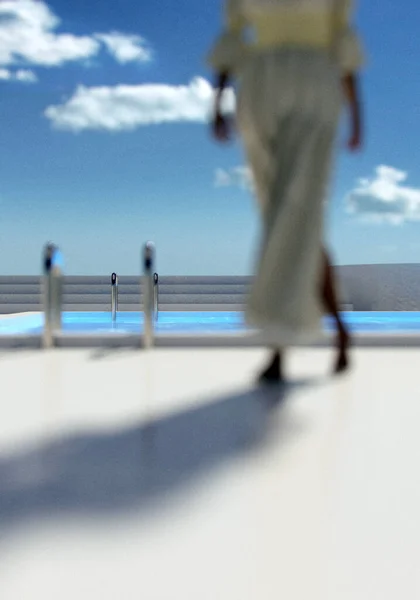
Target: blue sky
<point>105,143</point>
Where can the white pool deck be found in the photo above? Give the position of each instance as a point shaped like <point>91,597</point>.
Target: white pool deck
<point>167,475</point>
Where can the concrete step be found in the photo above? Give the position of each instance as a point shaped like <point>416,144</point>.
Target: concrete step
<point>23,308</point>
<point>168,279</point>
<point>125,288</point>
<point>27,299</point>
<point>20,298</point>
<point>19,279</point>
<point>24,288</point>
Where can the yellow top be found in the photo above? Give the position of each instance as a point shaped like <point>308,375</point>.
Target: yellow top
<point>263,24</point>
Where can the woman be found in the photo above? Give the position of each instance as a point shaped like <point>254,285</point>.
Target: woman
<point>293,59</point>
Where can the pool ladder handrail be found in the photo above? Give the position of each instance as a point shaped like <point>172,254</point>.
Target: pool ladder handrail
<point>53,294</point>
<point>114,296</point>
<point>156,296</point>
<point>150,294</point>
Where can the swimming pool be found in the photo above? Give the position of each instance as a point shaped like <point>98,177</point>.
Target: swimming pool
<point>197,323</point>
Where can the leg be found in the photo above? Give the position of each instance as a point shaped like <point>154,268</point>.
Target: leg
<point>330,302</point>
<point>273,373</point>
<point>260,163</point>
<point>288,146</point>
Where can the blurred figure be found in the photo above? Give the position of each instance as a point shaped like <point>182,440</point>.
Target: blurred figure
<point>53,258</point>
<point>294,60</point>
<point>49,253</point>
<point>53,283</point>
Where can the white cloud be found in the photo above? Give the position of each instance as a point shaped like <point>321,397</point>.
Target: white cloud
<point>222,178</point>
<point>5,74</point>
<point>126,107</point>
<point>26,76</point>
<point>125,48</point>
<point>22,75</point>
<point>28,36</point>
<point>235,177</point>
<point>384,198</point>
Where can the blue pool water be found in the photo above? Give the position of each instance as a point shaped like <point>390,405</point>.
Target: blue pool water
<point>199,323</point>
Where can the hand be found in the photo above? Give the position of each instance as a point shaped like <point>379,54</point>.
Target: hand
<point>351,93</point>
<point>221,127</point>
<point>355,142</point>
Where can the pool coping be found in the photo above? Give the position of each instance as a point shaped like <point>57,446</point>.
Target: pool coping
<point>241,340</point>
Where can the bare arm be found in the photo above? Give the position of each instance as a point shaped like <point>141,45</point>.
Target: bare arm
<point>222,82</point>
<point>220,125</point>
<point>351,92</point>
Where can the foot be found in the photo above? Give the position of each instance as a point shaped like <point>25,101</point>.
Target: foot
<point>273,373</point>
<point>343,361</point>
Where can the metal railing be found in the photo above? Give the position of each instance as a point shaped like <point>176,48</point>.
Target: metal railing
<point>115,290</point>
<point>148,294</point>
<point>156,296</point>
<point>53,293</point>
<point>114,296</point>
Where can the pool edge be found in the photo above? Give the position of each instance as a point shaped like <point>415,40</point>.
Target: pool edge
<point>374,340</point>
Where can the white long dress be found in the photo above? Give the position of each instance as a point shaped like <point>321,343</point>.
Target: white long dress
<point>288,106</point>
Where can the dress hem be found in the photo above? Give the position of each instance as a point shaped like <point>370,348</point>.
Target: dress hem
<point>280,335</point>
